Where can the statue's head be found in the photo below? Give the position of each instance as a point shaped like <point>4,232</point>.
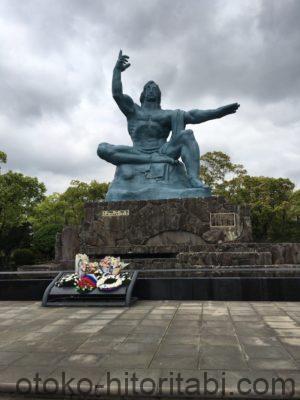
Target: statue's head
<point>151,92</point>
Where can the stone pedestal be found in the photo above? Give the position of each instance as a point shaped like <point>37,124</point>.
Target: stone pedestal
<point>175,233</point>
<point>161,226</point>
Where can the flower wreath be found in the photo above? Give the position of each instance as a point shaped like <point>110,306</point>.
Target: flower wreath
<point>109,282</point>
<point>68,281</point>
<point>87,283</point>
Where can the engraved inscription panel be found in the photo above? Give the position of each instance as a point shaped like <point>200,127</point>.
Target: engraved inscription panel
<point>219,220</point>
<point>115,213</point>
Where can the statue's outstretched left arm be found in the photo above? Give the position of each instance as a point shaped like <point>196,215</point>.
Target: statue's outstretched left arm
<point>198,116</point>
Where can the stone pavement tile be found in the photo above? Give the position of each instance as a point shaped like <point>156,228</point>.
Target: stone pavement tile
<point>250,329</point>
<point>182,323</point>
<point>59,345</point>
<point>266,352</point>
<point>81,328</point>
<point>154,322</point>
<point>117,330</point>
<point>114,310</point>
<point>191,311</point>
<point>8,357</point>
<point>163,312</point>
<point>50,328</point>
<point>218,324</point>
<point>291,341</point>
<point>185,350</point>
<point>105,338</point>
<point>173,362</point>
<point>292,345</point>
<point>142,338</point>
<point>79,317</point>
<point>39,359</point>
<point>295,332</point>
<point>96,322</point>
<point>282,325</point>
<point>181,340</point>
<point>65,322</point>
<point>259,341</point>
<point>181,330</point>
<point>218,340</point>
<point>113,361</point>
<point>131,316</point>
<point>149,330</point>
<point>20,346</point>
<point>246,318</point>
<point>83,360</point>
<point>278,318</point>
<point>87,311</point>
<point>271,364</point>
<point>187,317</point>
<point>222,357</point>
<point>124,322</point>
<point>208,317</point>
<point>135,348</point>
<point>207,331</point>
<point>215,313</point>
<point>160,316</point>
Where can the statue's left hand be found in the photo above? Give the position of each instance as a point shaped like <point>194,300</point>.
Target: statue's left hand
<point>229,109</point>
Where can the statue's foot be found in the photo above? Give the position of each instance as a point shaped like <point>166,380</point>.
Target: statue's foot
<point>197,183</point>
<point>162,158</point>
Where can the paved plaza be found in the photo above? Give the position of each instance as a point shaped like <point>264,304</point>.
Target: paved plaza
<point>250,344</point>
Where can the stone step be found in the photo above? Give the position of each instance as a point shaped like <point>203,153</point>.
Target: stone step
<point>245,271</point>
<point>225,258</point>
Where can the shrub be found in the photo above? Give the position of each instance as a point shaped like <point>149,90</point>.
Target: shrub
<point>23,257</point>
<point>44,239</point>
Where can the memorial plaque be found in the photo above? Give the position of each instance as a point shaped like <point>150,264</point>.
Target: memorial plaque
<point>220,220</point>
<point>115,213</point>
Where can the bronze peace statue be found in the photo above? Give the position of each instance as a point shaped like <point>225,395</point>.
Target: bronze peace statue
<point>150,168</point>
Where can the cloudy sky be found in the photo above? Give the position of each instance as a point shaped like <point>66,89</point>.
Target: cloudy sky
<point>56,61</point>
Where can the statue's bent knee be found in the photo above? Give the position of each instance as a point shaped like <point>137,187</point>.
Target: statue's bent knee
<point>105,151</point>
<point>187,135</point>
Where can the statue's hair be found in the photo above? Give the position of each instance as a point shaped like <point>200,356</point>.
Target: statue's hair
<point>142,97</point>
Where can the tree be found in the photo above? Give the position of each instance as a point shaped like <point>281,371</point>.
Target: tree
<point>58,210</point>
<point>269,201</point>
<point>3,158</point>
<point>216,166</point>
<point>19,194</point>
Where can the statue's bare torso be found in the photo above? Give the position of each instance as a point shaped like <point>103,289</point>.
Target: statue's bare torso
<point>149,129</point>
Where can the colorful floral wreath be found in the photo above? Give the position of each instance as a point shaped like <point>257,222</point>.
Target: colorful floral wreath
<point>109,282</point>
<point>87,283</point>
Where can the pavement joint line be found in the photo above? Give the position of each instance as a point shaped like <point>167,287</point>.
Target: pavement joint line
<point>161,340</point>
<point>199,343</point>
<point>244,354</point>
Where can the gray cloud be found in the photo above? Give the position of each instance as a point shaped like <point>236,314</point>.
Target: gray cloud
<point>56,59</point>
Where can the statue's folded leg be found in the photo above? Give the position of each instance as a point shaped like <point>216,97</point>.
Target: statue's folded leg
<point>121,154</point>
<point>184,145</point>
<point>129,155</point>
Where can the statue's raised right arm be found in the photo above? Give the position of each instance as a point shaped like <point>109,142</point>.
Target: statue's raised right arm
<point>124,101</point>
<point>198,116</point>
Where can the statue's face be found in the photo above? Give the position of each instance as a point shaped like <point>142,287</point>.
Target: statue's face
<point>151,92</point>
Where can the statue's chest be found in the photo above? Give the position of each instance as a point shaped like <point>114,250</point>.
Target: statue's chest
<point>153,123</point>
